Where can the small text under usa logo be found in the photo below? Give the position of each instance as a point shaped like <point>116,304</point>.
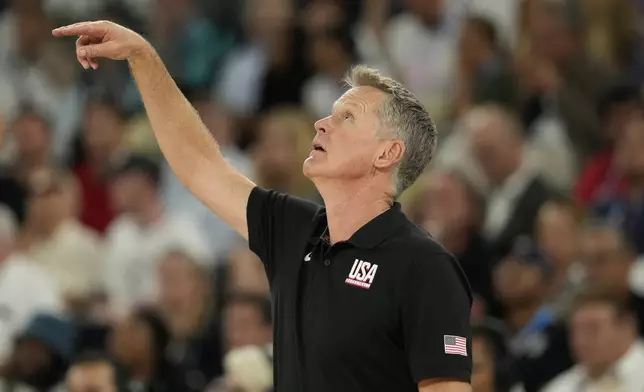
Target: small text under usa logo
<point>362,274</point>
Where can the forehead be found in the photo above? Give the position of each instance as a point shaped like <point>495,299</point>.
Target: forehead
<point>593,311</point>
<point>363,98</point>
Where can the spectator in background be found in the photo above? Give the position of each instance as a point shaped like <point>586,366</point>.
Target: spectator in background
<point>41,356</point>
<point>142,233</point>
<point>284,141</point>
<point>96,372</point>
<point>25,289</point>
<point>186,303</point>
<point>25,32</point>
<point>179,200</point>
<point>484,71</point>
<point>608,260</point>
<point>557,234</point>
<point>426,32</point>
<point>600,178</point>
<point>265,23</point>
<point>561,83</point>
<point>53,237</point>
<point>102,137</point>
<point>139,343</point>
<point>248,369</point>
<point>604,341</point>
<point>332,53</point>
<point>452,212</point>
<point>192,47</point>
<point>537,337</point>
<point>246,273</point>
<point>32,134</point>
<point>248,321</point>
<point>490,359</point>
<point>517,191</point>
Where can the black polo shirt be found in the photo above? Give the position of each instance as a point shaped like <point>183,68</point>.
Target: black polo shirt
<point>379,312</point>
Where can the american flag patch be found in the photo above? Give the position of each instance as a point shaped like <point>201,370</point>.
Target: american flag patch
<point>455,345</point>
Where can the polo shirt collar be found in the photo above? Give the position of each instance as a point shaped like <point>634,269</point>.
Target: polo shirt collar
<point>370,235</point>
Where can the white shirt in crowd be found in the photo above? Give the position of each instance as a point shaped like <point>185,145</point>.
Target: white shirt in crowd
<point>626,376</point>
<point>72,256</point>
<point>25,290</point>
<point>133,254</point>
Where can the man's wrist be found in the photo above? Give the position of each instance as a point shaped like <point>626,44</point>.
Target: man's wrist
<point>143,53</point>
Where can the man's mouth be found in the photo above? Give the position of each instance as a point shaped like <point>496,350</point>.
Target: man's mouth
<point>317,147</point>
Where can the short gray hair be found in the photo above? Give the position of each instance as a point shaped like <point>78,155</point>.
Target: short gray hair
<point>403,114</point>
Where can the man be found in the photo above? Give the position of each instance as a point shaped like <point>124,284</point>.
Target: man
<point>608,260</point>
<point>363,299</point>
<point>604,341</point>
<point>248,321</point>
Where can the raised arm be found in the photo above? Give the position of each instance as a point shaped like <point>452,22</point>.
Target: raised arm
<point>190,150</point>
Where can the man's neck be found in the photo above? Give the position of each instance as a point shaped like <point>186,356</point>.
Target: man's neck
<point>349,207</point>
<point>598,371</point>
<point>518,317</point>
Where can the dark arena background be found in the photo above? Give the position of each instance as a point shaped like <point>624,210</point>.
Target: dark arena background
<point>114,277</point>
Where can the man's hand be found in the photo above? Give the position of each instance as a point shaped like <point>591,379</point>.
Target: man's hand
<point>102,39</point>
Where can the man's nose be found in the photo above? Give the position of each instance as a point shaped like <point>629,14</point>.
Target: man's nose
<point>323,125</point>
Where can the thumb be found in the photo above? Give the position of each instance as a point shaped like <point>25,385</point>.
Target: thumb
<point>106,49</point>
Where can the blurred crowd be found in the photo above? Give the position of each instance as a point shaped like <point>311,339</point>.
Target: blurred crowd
<point>113,277</point>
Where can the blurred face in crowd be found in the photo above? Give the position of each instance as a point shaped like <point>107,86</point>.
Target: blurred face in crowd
<point>33,138</point>
<point>129,192</point>
<point>483,368</point>
<point>552,38</point>
<point>32,31</point>
<point>473,44</point>
<point>276,151</point>
<point>131,341</point>
<point>448,207</point>
<point>217,121</point>
<point>599,336</point>
<point>349,143</point>
<point>496,145</point>
<point>183,292</point>
<point>33,361</point>
<point>246,273</point>
<point>245,326</point>
<point>557,234</point>
<point>430,11</point>
<point>327,54</point>
<point>51,200</point>
<point>630,150</point>
<point>92,377</point>
<point>606,260</point>
<point>619,116</point>
<point>518,283</point>
<point>102,130</point>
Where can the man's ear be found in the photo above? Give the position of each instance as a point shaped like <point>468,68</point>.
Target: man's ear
<point>391,153</point>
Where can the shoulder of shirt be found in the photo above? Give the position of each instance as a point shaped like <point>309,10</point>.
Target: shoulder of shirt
<point>565,381</point>
<point>20,265</point>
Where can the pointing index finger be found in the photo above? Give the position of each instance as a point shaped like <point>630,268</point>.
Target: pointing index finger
<point>93,29</point>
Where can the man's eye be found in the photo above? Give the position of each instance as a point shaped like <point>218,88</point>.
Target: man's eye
<point>348,116</point>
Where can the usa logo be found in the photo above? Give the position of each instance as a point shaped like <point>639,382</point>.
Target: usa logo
<point>362,274</point>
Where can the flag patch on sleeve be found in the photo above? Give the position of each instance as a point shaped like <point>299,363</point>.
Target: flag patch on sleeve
<point>455,345</point>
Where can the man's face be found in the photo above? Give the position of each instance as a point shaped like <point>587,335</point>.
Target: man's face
<point>607,266</point>
<point>91,377</point>
<point>448,208</point>
<point>517,282</point>
<point>557,234</point>
<point>349,137</point>
<point>483,367</point>
<point>101,129</point>
<point>180,286</point>
<point>244,326</point>
<point>595,334</point>
<point>126,191</point>
<point>32,137</point>
<point>630,148</point>
<point>495,148</point>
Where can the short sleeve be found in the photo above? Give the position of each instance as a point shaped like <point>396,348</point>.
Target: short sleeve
<point>436,319</point>
<point>277,224</point>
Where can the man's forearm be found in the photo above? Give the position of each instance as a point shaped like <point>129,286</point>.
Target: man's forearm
<point>182,136</point>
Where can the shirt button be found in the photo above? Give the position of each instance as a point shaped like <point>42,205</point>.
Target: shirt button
<point>327,262</point>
